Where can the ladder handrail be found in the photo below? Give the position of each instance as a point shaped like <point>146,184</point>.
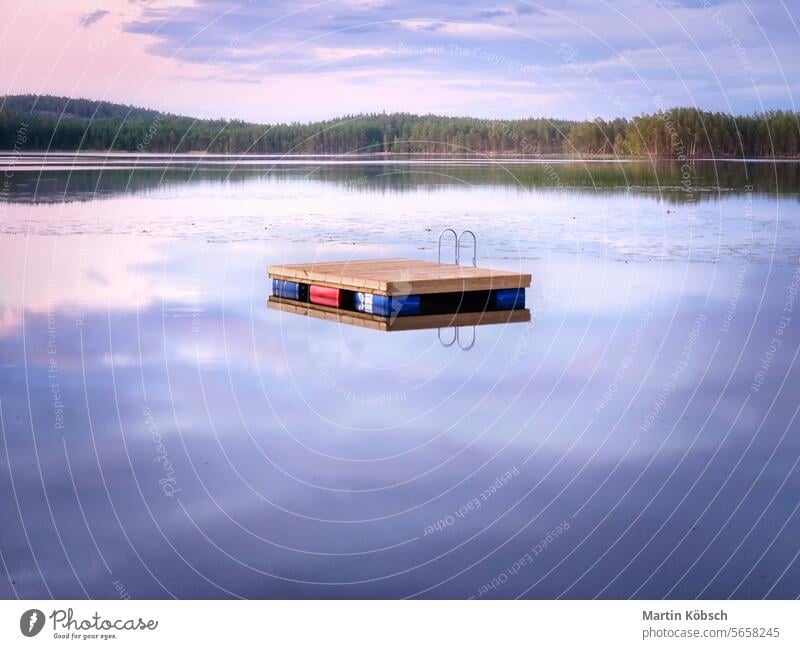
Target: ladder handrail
<point>474,246</point>
<point>457,237</point>
<point>455,240</point>
<point>452,342</point>
<point>458,339</point>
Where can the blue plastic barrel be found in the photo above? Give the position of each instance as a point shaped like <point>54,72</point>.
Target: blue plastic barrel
<point>290,290</point>
<point>509,298</point>
<point>387,305</point>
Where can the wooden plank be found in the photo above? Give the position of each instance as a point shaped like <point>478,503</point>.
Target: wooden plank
<point>399,276</point>
<point>409,323</point>
<point>328,313</point>
<point>402,323</point>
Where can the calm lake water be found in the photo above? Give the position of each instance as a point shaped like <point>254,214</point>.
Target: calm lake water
<point>165,434</point>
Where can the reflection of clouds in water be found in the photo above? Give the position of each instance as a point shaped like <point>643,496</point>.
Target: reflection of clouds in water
<point>266,455</point>
<point>84,271</point>
<point>10,321</point>
<point>90,272</point>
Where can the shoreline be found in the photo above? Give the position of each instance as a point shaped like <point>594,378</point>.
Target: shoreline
<point>488,156</point>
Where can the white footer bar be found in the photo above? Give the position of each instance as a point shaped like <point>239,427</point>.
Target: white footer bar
<point>389,624</point>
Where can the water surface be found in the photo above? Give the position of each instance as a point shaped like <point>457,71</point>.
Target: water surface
<point>166,435</point>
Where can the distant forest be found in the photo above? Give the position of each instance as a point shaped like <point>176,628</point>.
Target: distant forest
<point>38,123</point>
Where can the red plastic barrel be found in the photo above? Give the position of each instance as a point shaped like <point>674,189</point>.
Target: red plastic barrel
<point>326,296</point>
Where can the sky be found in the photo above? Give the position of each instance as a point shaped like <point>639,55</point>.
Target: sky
<point>281,60</point>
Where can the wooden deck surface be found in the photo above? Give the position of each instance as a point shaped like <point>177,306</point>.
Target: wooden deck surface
<point>401,323</point>
<point>399,276</point>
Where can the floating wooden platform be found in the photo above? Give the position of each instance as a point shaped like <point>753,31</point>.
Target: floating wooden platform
<point>399,276</point>
<point>404,323</point>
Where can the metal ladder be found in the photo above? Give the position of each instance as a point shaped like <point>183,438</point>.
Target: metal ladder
<point>457,262</point>
<point>457,242</point>
<point>457,338</point>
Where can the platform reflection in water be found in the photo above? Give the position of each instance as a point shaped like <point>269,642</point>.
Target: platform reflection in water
<point>404,323</point>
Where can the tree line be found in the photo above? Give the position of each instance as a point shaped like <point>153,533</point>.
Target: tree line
<point>63,124</point>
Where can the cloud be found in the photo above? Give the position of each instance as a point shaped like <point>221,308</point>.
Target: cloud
<point>469,52</point>
<point>458,29</point>
<point>492,13</point>
<point>528,10</point>
<point>87,20</point>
